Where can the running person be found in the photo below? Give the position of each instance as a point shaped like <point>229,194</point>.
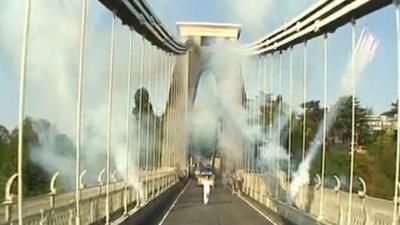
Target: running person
<point>206,190</point>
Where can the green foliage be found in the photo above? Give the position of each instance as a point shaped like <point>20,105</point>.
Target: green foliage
<point>375,151</point>
<point>393,111</point>
<point>35,179</point>
<point>375,164</point>
<point>149,120</point>
<point>342,127</point>
<point>7,159</point>
<point>142,103</point>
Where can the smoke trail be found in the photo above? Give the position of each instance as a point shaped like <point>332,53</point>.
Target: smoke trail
<point>272,150</point>
<point>224,109</point>
<point>52,85</point>
<point>242,128</point>
<point>53,151</point>
<point>205,120</point>
<point>364,52</point>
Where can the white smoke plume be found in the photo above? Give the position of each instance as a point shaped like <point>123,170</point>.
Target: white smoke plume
<point>272,152</point>
<point>52,74</point>
<point>222,112</point>
<point>364,52</point>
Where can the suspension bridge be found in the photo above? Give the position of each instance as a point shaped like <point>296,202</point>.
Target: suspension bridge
<point>149,176</point>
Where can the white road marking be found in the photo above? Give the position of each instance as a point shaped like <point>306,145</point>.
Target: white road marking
<point>174,203</point>
<point>257,210</point>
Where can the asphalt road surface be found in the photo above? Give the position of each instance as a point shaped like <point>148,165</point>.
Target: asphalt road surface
<point>223,209</point>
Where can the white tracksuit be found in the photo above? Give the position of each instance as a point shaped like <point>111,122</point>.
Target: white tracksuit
<point>206,191</point>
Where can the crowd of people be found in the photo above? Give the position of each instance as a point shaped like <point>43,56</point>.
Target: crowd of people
<point>233,180</point>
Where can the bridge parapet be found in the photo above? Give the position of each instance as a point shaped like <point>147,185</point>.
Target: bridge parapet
<point>365,210</point>
<point>39,211</point>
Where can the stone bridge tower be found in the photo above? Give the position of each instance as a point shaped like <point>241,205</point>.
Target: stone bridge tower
<point>210,42</point>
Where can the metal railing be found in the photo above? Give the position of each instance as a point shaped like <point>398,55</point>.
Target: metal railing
<point>365,209</point>
<point>330,206</point>
<point>158,154</point>
<point>60,208</point>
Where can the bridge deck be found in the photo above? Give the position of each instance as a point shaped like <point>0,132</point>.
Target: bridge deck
<point>223,209</point>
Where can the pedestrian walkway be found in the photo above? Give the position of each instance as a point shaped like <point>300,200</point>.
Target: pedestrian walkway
<point>223,209</point>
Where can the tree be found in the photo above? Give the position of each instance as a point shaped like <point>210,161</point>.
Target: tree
<point>393,111</point>
<point>4,136</point>
<point>36,180</point>
<point>5,159</point>
<point>314,114</point>
<point>269,104</point>
<point>342,127</point>
<point>149,120</point>
<point>142,102</point>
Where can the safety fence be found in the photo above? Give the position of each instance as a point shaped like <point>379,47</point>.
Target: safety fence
<point>43,210</point>
<point>365,209</point>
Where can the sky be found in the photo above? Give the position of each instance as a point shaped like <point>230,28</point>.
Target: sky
<point>376,87</point>
<point>53,45</point>
<point>257,17</point>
